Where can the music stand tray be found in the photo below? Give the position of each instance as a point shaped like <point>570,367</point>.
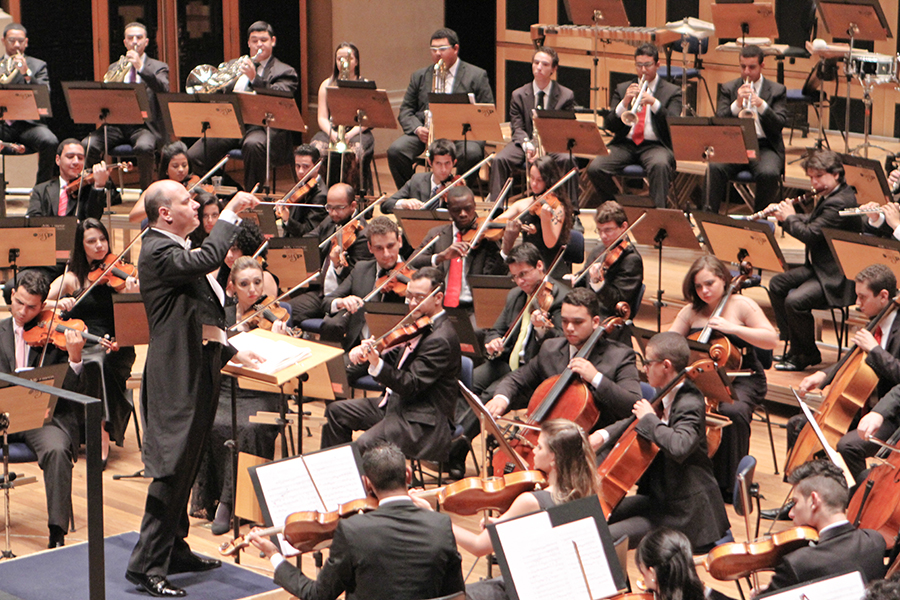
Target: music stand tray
<point>570,136</point>
<point>292,260</point>
<point>867,176</point>
<point>27,246</point>
<point>107,103</point>
<point>732,241</point>
<point>854,251</point>
<point>871,23</point>
<point>713,140</point>
<point>264,217</point>
<point>668,223</point>
<point>489,294</point>
<point>756,19</point>
<point>199,115</point>
<point>608,13</point>
<point>417,223</point>
<point>276,109</point>
<point>24,102</point>
<point>373,106</point>
<point>466,121</point>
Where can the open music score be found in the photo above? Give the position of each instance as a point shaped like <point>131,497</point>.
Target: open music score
<point>628,35</point>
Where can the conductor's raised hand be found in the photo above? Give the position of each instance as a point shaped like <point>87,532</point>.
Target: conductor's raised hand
<point>242,201</point>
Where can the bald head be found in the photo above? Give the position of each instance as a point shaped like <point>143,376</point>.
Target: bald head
<point>170,207</point>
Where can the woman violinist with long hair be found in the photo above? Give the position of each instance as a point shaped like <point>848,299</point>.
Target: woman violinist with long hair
<point>664,558</point>
<point>174,164</point>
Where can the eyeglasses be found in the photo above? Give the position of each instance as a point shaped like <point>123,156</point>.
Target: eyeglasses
<point>646,65</point>
<point>441,48</point>
<point>522,275</point>
<point>647,362</point>
<point>417,298</point>
<point>334,207</point>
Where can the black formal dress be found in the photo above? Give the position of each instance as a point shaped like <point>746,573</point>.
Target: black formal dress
<point>277,76</point>
<point>678,490</point>
<point>398,552</point>
<point>180,388</point>
<point>145,138</point>
<point>421,406</point>
<point>655,156</point>
<point>768,165</point>
<point>34,135</point>
<point>469,79</point>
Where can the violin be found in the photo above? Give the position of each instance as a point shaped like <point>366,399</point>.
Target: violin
<point>734,560</point>
<point>396,280</point>
<point>403,333</point>
<point>345,238</point>
<point>38,335</point>
<point>474,494</point>
<point>192,182</point>
<point>87,177</point>
<point>115,277</point>
<point>493,232</point>
<point>550,199</point>
<point>269,315</point>
<point>306,530</point>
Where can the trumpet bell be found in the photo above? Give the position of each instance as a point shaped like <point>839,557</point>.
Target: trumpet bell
<point>200,78</point>
<point>629,117</point>
<point>746,113</point>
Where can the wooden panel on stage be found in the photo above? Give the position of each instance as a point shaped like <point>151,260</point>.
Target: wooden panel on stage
<point>246,505</point>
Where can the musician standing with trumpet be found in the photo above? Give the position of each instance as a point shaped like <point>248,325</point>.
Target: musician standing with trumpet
<point>765,101</point>
<point>135,67</point>
<point>27,70</point>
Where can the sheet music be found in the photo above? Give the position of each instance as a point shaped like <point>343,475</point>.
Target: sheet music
<point>593,557</point>
<point>526,543</point>
<point>336,475</point>
<point>288,488</point>
<point>277,354</point>
<point>849,586</point>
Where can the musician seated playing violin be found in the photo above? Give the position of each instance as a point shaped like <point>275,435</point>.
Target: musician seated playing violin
<point>297,221</point>
<point>453,253</point>
<point>417,408</point>
<point>345,318</point>
<point>397,552</point>
<point>820,498</point>
<point>248,242</point>
<point>678,489</point>
<point>819,282</point>
<point>876,287</point>
<point>421,187</point>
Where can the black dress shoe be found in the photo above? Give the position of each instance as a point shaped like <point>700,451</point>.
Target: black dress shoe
<point>155,585</point>
<point>778,514</point>
<point>193,564</point>
<point>57,537</point>
<point>799,362</point>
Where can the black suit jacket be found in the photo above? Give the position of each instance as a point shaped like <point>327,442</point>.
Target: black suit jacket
<point>680,481</point>
<point>669,96</point>
<point>469,79</point>
<point>619,389</point>
<point>772,121</point>
<point>155,77</point>
<point>359,283</point>
<point>622,281</point>
<point>178,300</point>
<point>522,102</point>
<point>515,300</point>
<point>44,201</point>
<point>483,260</point>
<point>418,187</point>
<point>359,250</point>
<point>886,364</point>
<point>808,229</point>
<point>839,549</point>
<point>398,552</point>
<point>303,220</point>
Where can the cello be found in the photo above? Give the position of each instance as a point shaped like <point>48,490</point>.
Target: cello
<point>853,383</point>
<point>876,502</point>
<point>561,397</point>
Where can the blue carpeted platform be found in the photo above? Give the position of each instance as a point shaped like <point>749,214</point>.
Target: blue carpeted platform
<point>63,573</point>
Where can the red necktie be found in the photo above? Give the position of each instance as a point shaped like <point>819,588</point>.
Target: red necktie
<point>454,280</point>
<point>877,334</point>
<point>637,135</point>
<point>63,202</point>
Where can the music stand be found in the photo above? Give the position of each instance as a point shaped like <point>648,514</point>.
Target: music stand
<point>609,13</point>
<point>740,21</point>
<point>65,232</point>
<point>202,116</point>
<point>734,241</point>
<point>867,176</point>
<point>569,136</point>
<point>292,260</point>
<point>455,120</point>
<point>417,223</point>
<point>271,108</point>
<point>130,319</point>
<point>22,246</point>
<point>854,252</point>
<point>21,103</point>
<point>662,226</point>
<point>264,217</point>
<point>489,294</point>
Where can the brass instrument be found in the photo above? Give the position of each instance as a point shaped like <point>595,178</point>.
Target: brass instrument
<point>438,82</point>
<point>341,144</point>
<point>206,79</point>
<point>747,111</point>
<point>629,117</point>
<point>535,141</point>
<point>801,200</point>
<point>9,68</point>
<point>118,72</point>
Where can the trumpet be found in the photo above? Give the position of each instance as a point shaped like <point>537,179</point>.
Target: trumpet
<point>9,68</point>
<point>438,83</point>
<point>747,111</point>
<point>629,117</point>
<point>801,200</point>
<point>206,79</point>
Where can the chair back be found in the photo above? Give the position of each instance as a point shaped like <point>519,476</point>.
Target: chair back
<point>575,249</point>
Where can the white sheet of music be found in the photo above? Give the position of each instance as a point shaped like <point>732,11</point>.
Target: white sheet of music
<point>336,475</point>
<point>590,550</point>
<point>849,586</point>
<point>277,354</point>
<point>528,544</point>
<point>288,488</point>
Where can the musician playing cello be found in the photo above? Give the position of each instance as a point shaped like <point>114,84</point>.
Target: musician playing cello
<point>678,489</point>
<point>820,498</point>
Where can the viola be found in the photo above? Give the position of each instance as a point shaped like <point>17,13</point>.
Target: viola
<point>115,277</point>
<point>396,282</point>
<point>403,333</point>
<point>269,315</point>
<point>87,178</point>
<point>192,182</point>
<point>734,560</point>
<point>39,334</point>
<point>306,530</point>
<point>474,494</point>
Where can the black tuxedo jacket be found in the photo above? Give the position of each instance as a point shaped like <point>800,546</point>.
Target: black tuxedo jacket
<point>178,300</point>
<point>515,300</point>
<point>619,389</point>
<point>523,101</point>
<point>398,552</point>
<point>483,260</point>
<point>808,229</point>
<point>669,96</point>
<point>44,201</point>
<point>155,77</point>
<point>680,481</point>
<point>623,279</point>
<point>418,187</point>
<point>359,250</point>
<point>276,75</point>
<point>839,549</point>
<point>303,220</point>
<point>469,79</point>
<point>359,283</point>
<point>772,121</point>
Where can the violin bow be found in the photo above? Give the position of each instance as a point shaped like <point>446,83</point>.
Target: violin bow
<point>487,220</point>
<point>309,175</point>
<point>110,267</point>
<point>209,173</point>
<point>396,271</point>
<point>53,314</point>
<point>602,256</point>
<point>356,218</point>
<point>261,249</point>
<point>406,319</point>
<point>263,308</point>
<point>430,204</point>
<point>552,189</point>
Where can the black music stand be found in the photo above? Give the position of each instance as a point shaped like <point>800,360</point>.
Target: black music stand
<point>264,218</point>
<point>202,116</point>
<point>21,103</point>
<point>23,246</point>
<point>867,177</point>
<point>568,135</point>
<point>740,21</point>
<point>609,13</point>
<point>271,108</point>
<point>292,260</point>
<point>661,226</point>
<point>854,251</point>
<point>734,241</point>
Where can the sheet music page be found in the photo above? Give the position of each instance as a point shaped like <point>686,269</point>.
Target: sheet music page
<point>593,557</point>
<point>288,488</point>
<point>277,354</point>
<point>531,551</point>
<point>336,475</point>
<point>849,586</point>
